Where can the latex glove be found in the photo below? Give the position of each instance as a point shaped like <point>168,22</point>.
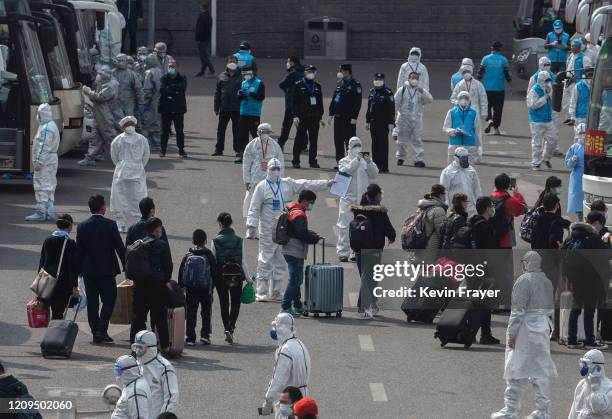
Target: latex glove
<point>574,158</point>
<point>353,122</point>
<point>322,122</point>
<point>367,126</point>
<point>251,233</point>
<point>247,186</point>
<point>36,166</point>
<point>86,90</point>
<point>266,409</point>
<point>296,122</point>
<point>452,132</point>
<point>391,126</point>
<point>330,119</point>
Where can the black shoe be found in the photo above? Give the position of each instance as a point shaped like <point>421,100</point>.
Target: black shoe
<point>489,340</point>
<point>107,339</point>
<point>383,171</point>
<point>567,121</point>
<point>200,74</point>
<point>217,153</point>
<point>571,122</point>
<point>205,341</point>
<point>212,75</point>
<point>419,164</point>
<point>547,163</point>
<point>400,162</point>
<point>183,155</point>
<point>97,339</point>
<point>162,154</point>
<point>488,127</point>
<point>343,259</point>
<point>315,166</point>
<point>296,165</point>
<point>238,160</point>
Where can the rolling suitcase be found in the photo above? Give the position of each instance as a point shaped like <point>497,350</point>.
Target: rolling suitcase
<point>459,323</point>
<point>323,287</point>
<point>176,331</point>
<point>122,312</point>
<point>425,309</point>
<point>60,337</point>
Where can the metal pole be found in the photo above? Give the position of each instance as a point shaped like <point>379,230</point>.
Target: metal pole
<point>151,23</point>
<point>213,36</point>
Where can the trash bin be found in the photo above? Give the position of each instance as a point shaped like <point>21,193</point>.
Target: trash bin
<point>325,37</point>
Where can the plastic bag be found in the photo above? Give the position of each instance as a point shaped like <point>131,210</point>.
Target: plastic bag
<point>82,302</point>
<point>248,294</point>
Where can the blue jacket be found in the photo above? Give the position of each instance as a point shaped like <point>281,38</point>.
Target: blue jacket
<point>557,54</point>
<point>575,194</point>
<point>244,59</point>
<point>543,113</point>
<point>582,99</point>
<point>456,78</point>
<point>463,119</point>
<point>493,71</point>
<point>251,94</point>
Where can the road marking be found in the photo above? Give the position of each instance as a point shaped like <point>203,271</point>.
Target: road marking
<point>378,392</point>
<point>365,343</point>
<point>331,202</point>
<point>353,297</point>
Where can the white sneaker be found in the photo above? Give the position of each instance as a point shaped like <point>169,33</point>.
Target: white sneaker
<point>364,315</point>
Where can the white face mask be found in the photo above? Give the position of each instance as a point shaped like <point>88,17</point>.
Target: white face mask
<point>413,58</point>
<point>309,76</point>
<point>354,152</point>
<point>339,75</point>
<point>558,31</point>
<point>413,82</point>
<point>288,65</point>
<point>467,77</point>
<point>285,409</point>
<point>232,66</point>
<point>274,175</point>
<point>463,103</point>
<point>264,136</point>
<point>546,67</point>
<point>379,83</point>
<point>130,129</point>
<point>248,77</point>
<point>141,57</point>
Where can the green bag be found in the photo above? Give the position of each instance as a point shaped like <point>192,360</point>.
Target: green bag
<point>248,294</point>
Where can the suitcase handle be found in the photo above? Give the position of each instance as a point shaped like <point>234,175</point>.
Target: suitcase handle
<point>314,252</point>
<point>76,312</point>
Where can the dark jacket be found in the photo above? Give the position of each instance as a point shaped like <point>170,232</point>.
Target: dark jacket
<point>99,244</point>
<point>12,388</point>
<point>483,233</point>
<point>161,259</point>
<point>454,221</point>
<point>203,27</point>
<point>379,219</point>
<point>548,231</point>
<point>200,251</point>
<point>294,74</point>
<point>172,94</point>
<point>228,247</point>
<point>381,106</point>
<point>138,231</point>
<point>346,102</point>
<point>226,93</point>
<point>299,235</point>
<point>130,9</point>
<point>49,260</point>
<point>302,107</point>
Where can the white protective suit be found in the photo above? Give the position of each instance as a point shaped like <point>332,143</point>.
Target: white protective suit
<point>459,179</point>
<point>591,50</point>
<point>270,196</point>
<point>574,99</point>
<point>130,87</point>
<point>543,65</point>
<point>414,66</point>
<point>110,37</point>
<point>529,326</point>
<point>159,373</point>
<point>409,103</point>
<point>464,62</point>
<point>474,151</point>
<point>544,135</point>
<point>130,154</point>
<point>291,363</point>
<point>593,395</point>
<point>362,172</point>
<point>255,163</point>
<point>567,92</point>
<point>151,123</point>
<point>44,164</point>
<point>135,400</point>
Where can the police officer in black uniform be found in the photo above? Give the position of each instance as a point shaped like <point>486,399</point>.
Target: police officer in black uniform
<point>380,119</point>
<point>307,113</point>
<point>344,109</point>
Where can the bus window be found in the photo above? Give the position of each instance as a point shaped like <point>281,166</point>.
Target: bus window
<point>38,81</point>
<point>605,114</point>
<point>61,73</point>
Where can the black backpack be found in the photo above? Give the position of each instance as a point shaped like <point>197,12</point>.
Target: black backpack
<point>501,223</point>
<point>280,234</point>
<point>138,260</point>
<point>361,235</point>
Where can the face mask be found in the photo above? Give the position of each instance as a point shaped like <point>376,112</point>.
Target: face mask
<point>467,76</point>
<point>232,66</point>
<point>288,65</point>
<point>122,65</point>
<point>413,82</point>
<point>161,54</point>
<point>141,57</point>
<point>309,207</point>
<point>339,75</point>
<point>464,162</point>
<point>130,130</point>
<point>558,31</point>
<point>275,174</point>
<point>139,350</point>
<point>379,83</point>
<point>285,409</point>
<point>463,103</point>
<point>309,76</point>
<point>584,369</point>
<point>99,78</point>
<point>117,370</point>
<point>273,334</point>
<point>413,58</point>
<point>264,136</point>
<point>248,77</point>
<point>172,71</point>
<point>546,68</point>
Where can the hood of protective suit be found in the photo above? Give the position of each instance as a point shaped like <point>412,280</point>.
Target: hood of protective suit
<point>44,113</point>
<point>274,162</point>
<point>543,77</point>
<point>354,142</point>
<point>533,262</point>
<point>285,327</point>
<point>131,369</point>
<point>416,49</point>
<point>467,61</point>
<point>149,339</point>
<point>465,68</point>
<point>105,73</point>
<point>596,360</point>
<point>542,62</point>
<point>151,62</point>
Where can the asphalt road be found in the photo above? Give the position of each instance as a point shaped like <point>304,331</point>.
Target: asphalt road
<point>375,369</point>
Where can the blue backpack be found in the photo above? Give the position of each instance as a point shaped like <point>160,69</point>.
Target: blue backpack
<point>197,273</point>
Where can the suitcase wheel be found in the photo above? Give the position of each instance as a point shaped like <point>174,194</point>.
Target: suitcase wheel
<point>339,314</point>
<point>305,314</point>
<point>316,315</point>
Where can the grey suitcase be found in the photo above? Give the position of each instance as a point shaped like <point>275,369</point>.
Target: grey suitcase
<point>323,287</point>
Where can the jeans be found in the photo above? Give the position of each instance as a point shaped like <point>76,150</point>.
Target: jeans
<point>167,119</point>
<point>100,289</point>
<point>150,297</point>
<point>365,264</point>
<point>224,118</point>
<point>204,49</point>
<point>195,298</point>
<point>293,294</point>
<point>229,297</point>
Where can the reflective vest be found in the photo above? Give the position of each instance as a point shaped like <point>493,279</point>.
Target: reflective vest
<point>543,113</point>
<point>249,105</point>
<point>557,54</point>
<point>579,65</point>
<point>463,119</point>
<point>244,59</point>
<point>582,99</point>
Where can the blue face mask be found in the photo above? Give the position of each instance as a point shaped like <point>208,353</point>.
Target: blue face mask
<point>172,71</point>
<point>273,334</point>
<point>584,371</point>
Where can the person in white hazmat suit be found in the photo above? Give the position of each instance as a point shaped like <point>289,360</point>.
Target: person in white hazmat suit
<point>362,170</point>
<point>270,196</point>
<point>255,161</point>
<point>159,373</point>
<point>130,154</point>
<point>593,395</point>
<point>458,76</point>
<point>409,102</point>
<point>413,65</point>
<point>528,357</point>
<point>130,87</point>
<point>463,126</point>
<point>292,364</point>
<point>135,400</point>
<point>461,176</point>
<point>44,164</point>
<point>544,64</point>
<point>591,49</point>
<point>110,37</point>
<point>544,134</point>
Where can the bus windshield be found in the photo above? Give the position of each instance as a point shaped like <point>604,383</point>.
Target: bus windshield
<point>61,73</point>
<point>600,115</point>
<point>38,81</point>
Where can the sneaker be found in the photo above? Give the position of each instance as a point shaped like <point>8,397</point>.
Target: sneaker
<point>229,337</point>
<point>374,310</point>
<point>238,160</point>
<point>343,258</point>
<point>87,162</point>
<point>299,310</point>
<point>315,166</point>
<point>596,345</point>
<point>496,131</point>
<point>37,216</point>
<point>400,162</point>
<point>419,164</point>
<point>336,167</point>
<point>205,341</point>
<point>489,340</point>
<point>199,74</point>
<point>577,345</point>
<point>217,153</point>
<point>183,155</point>
<point>364,315</point>
<point>536,168</point>
<point>547,163</point>
<point>296,165</point>
<point>488,127</point>
<point>189,342</point>
<point>294,313</point>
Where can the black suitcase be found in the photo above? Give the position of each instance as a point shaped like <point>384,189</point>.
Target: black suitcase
<point>59,337</point>
<point>424,310</point>
<point>605,316</point>
<point>459,323</point>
